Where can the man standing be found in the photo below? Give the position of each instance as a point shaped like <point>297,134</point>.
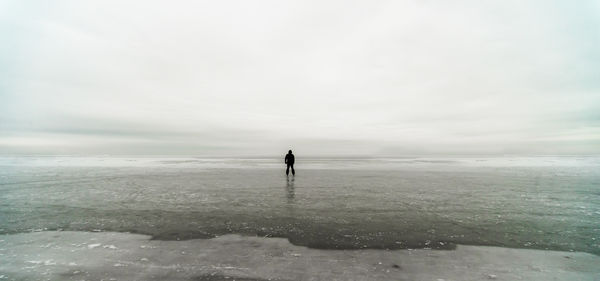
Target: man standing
<point>289,160</point>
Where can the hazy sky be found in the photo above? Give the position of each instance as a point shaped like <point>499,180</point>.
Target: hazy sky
<point>320,77</point>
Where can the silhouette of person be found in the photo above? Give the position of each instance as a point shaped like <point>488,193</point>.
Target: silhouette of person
<point>289,160</point>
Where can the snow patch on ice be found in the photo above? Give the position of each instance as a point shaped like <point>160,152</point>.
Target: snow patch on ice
<point>92,246</point>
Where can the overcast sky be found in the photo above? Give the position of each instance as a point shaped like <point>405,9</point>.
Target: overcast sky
<point>321,77</point>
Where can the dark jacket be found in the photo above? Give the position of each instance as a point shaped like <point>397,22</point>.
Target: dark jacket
<point>289,159</point>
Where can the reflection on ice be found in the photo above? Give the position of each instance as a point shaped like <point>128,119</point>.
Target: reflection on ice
<point>290,189</point>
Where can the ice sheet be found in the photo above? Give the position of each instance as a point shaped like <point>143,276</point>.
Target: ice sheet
<point>121,256</point>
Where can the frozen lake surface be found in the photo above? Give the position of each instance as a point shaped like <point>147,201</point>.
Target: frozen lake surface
<point>536,202</point>
<point>65,255</point>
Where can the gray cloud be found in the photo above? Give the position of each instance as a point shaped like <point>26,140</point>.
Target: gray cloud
<point>323,77</point>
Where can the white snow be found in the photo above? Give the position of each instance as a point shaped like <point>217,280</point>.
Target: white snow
<point>261,258</point>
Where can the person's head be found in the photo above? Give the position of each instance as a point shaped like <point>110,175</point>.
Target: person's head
<point>290,151</point>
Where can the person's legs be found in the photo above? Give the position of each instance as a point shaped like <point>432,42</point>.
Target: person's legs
<point>287,170</point>
<point>293,171</point>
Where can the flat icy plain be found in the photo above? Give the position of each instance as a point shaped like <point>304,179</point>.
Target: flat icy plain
<point>68,255</point>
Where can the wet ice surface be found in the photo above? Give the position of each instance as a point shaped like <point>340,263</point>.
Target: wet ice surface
<point>67,255</point>
<point>537,202</point>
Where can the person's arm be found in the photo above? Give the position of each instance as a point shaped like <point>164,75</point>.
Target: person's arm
<point>286,158</point>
